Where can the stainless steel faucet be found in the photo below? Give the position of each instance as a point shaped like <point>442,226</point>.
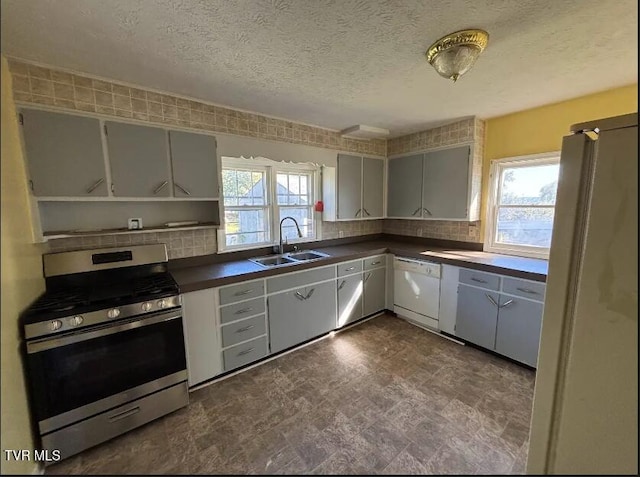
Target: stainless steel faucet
<point>281,245</point>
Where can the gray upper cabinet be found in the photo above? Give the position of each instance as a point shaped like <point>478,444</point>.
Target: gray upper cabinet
<point>139,160</point>
<point>519,325</point>
<point>349,299</point>
<point>445,184</point>
<point>349,186</point>
<point>194,164</point>
<point>372,187</point>
<point>404,190</point>
<point>64,154</point>
<point>477,315</point>
<point>374,291</point>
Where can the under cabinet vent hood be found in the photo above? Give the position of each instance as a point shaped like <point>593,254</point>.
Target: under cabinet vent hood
<point>361,131</point>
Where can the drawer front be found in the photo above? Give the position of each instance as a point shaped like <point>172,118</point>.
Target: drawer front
<point>243,330</point>
<point>349,268</point>
<point>245,353</point>
<point>375,262</point>
<point>242,291</point>
<point>524,288</point>
<point>479,279</point>
<point>301,279</point>
<point>237,311</point>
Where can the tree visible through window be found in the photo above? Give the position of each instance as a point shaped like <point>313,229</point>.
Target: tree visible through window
<point>521,219</point>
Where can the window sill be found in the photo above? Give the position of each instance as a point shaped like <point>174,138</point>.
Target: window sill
<point>518,252</point>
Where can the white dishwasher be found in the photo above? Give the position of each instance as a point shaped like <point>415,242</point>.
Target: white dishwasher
<point>416,293</point>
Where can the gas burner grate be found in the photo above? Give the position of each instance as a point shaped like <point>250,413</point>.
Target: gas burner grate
<point>153,285</point>
<point>60,301</point>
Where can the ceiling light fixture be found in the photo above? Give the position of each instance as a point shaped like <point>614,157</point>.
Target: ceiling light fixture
<point>453,55</point>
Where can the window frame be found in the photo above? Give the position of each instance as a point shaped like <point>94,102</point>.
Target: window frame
<point>496,170</point>
<point>273,209</point>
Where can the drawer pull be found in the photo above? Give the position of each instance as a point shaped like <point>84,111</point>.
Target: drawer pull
<point>376,263</point>
<point>506,303</point>
<point>349,269</point>
<point>527,290</point>
<point>246,328</point>
<point>244,310</point>
<point>246,351</point>
<point>479,280</point>
<point>124,414</point>
<point>244,292</point>
<point>490,298</point>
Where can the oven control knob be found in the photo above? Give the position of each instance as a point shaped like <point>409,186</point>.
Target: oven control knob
<point>163,303</point>
<point>113,313</point>
<point>55,325</point>
<point>76,321</point>
<point>146,306</point>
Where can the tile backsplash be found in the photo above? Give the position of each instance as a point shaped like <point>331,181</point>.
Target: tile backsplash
<point>180,243</point>
<point>455,133</point>
<point>437,229</point>
<point>39,85</point>
<point>333,230</point>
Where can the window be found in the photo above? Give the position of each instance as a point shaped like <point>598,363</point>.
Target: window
<point>521,205</point>
<point>258,193</point>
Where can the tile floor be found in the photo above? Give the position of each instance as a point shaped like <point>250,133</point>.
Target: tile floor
<point>382,397</point>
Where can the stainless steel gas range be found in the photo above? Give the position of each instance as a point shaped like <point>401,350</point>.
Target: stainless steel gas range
<point>104,348</point>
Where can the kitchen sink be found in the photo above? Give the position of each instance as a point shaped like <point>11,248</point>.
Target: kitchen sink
<point>306,255</point>
<point>272,261</point>
<point>288,258</point>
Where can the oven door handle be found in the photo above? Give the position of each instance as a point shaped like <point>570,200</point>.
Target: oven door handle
<point>77,337</point>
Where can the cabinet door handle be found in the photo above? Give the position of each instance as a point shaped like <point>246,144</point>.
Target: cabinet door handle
<point>490,298</point>
<point>366,212</point>
<point>124,414</point>
<point>357,212</point>
<point>309,294</point>
<point>299,296</point>
<point>367,276</point>
<point>344,282</point>
<point>427,210</point>
<point>349,269</point>
<point>478,280</point>
<point>182,188</point>
<point>246,351</point>
<point>416,211</point>
<point>95,185</point>
<point>244,292</point>
<point>246,328</point>
<point>244,310</point>
<point>506,303</point>
<point>527,290</point>
<point>160,187</point>
<point>376,263</point>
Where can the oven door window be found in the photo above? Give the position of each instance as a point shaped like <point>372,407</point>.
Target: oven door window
<point>71,376</point>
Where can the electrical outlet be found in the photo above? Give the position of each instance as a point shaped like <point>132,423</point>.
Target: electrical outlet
<point>340,233</point>
<point>472,230</point>
<point>134,224</point>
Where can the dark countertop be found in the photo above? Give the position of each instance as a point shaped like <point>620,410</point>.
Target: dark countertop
<point>209,275</point>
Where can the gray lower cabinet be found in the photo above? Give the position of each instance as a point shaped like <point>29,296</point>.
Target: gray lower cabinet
<point>518,332</point>
<point>301,314</point>
<point>445,184</point>
<point>245,353</point>
<point>349,186</point>
<point>404,192</point>
<point>194,164</point>
<point>139,160</point>
<point>477,315</point>
<point>350,290</point>
<point>374,291</point>
<point>64,154</point>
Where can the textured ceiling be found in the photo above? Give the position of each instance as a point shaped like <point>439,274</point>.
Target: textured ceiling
<point>336,63</point>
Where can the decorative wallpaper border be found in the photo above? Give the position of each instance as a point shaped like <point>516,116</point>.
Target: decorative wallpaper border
<point>39,85</point>
<point>450,134</point>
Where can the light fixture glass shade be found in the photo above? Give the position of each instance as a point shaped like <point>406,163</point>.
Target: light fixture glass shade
<point>454,55</point>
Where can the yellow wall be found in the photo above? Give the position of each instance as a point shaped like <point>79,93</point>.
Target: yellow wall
<point>541,129</point>
<point>21,282</point>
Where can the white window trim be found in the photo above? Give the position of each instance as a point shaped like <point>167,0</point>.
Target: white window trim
<point>272,167</point>
<point>492,199</point>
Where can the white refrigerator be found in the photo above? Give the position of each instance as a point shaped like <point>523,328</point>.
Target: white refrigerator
<point>585,413</point>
